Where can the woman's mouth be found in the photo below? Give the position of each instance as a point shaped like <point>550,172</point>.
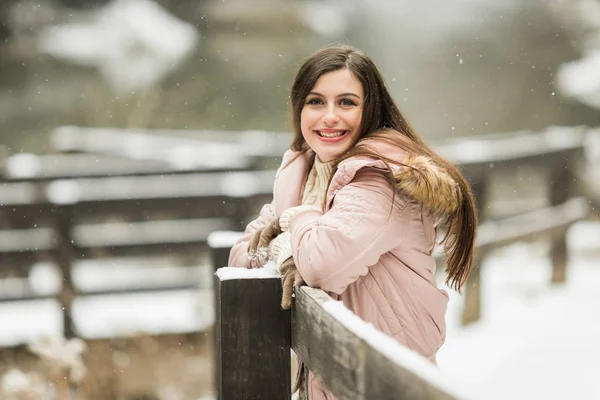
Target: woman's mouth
<point>331,134</point>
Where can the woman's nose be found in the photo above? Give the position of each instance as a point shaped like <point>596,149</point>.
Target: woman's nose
<point>330,117</point>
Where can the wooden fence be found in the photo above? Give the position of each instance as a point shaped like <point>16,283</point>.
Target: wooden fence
<point>67,207</point>
<point>352,359</point>
<point>254,336</point>
<point>557,155</point>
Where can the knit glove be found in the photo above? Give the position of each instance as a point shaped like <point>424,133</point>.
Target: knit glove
<point>290,277</point>
<point>258,247</point>
<point>274,242</point>
<point>280,248</point>
<point>281,252</point>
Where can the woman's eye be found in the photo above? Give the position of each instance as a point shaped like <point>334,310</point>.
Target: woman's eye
<point>314,101</point>
<point>347,102</point>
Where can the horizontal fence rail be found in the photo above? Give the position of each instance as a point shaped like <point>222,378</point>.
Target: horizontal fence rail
<point>183,148</point>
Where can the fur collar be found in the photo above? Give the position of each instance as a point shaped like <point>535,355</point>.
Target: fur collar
<point>420,178</point>
<point>417,176</point>
<point>429,184</point>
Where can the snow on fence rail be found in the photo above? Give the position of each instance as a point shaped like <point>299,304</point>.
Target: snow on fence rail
<point>353,359</point>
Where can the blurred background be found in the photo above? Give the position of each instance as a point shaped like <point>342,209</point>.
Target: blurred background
<point>120,113</point>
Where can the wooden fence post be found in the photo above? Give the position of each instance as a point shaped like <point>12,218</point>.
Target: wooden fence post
<point>559,193</point>
<point>220,244</point>
<point>253,338</point>
<point>472,305</point>
<point>64,257</point>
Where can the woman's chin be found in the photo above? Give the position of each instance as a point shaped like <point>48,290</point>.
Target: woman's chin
<point>326,156</point>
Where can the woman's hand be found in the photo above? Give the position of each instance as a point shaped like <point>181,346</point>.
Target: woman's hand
<point>258,247</point>
<point>290,277</point>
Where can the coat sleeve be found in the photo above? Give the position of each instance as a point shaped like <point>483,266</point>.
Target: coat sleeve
<point>334,249</point>
<point>238,257</point>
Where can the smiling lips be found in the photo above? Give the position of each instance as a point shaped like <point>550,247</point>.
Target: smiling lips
<point>331,135</point>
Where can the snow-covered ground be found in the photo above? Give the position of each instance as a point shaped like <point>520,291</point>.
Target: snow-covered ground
<point>533,341</point>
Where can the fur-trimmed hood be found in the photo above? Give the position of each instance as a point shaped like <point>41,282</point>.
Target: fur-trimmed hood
<point>430,184</point>
<point>417,176</point>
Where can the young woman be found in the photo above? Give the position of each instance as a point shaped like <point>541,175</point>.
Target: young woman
<point>357,206</point>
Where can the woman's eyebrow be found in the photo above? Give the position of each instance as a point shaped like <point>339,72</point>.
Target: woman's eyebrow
<point>349,94</point>
<point>339,95</point>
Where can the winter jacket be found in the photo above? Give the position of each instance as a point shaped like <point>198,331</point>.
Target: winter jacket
<point>372,248</point>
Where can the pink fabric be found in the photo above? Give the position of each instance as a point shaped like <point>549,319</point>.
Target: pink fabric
<point>365,250</point>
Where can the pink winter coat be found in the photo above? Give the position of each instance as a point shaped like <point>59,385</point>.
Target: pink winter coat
<point>374,258</point>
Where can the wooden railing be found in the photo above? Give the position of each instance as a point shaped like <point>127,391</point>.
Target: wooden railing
<point>68,207</point>
<point>350,357</point>
<point>556,156</point>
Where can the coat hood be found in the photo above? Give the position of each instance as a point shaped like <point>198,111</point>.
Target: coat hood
<point>417,176</point>
<point>429,184</point>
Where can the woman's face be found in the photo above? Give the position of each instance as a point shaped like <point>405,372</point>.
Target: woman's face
<point>330,118</point>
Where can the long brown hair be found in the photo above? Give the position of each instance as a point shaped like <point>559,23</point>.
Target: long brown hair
<point>382,119</point>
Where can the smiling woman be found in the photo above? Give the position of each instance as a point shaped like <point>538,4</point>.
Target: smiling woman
<point>330,118</point>
<point>357,206</point>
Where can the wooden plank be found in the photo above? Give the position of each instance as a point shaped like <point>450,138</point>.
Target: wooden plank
<point>138,144</point>
<point>239,184</point>
<point>354,360</point>
<point>114,235</point>
<point>207,147</point>
<point>26,296</point>
<point>253,340</point>
<point>125,234</point>
<point>513,146</point>
<point>19,193</point>
<point>46,167</point>
<point>29,295</point>
<point>167,287</point>
<point>234,184</point>
<point>235,195</point>
<point>547,221</point>
<point>479,155</point>
<point>27,240</point>
<point>146,238</point>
